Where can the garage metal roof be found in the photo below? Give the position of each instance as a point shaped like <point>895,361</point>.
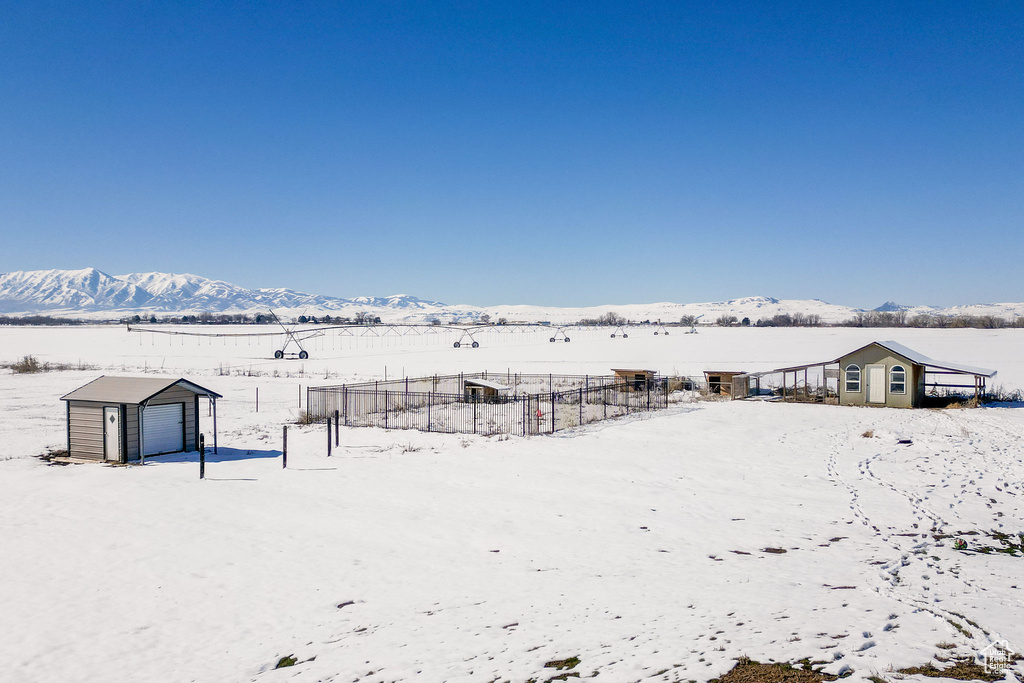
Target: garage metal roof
<point>131,389</point>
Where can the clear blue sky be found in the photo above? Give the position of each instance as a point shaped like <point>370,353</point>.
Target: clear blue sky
<point>522,152</point>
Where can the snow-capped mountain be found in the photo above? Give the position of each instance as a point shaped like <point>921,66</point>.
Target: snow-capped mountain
<point>890,307</point>
<point>90,293</point>
<point>95,294</point>
<point>68,290</point>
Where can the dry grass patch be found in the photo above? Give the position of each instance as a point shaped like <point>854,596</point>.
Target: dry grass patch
<point>749,671</point>
<point>962,669</point>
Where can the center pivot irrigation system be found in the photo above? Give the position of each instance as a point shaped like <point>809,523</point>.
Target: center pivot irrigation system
<point>293,335</point>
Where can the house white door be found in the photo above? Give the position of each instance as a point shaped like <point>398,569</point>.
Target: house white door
<point>163,428</point>
<point>112,433</point>
<point>876,383</point>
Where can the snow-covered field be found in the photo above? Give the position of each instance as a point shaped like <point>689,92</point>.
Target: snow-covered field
<point>650,547</point>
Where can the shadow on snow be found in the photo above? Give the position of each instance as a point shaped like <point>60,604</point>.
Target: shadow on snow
<point>223,454</point>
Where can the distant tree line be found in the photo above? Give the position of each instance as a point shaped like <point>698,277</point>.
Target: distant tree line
<point>926,320</point>
<point>791,320</point>
<point>609,318</point>
<point>246,319</point>
<point>38,320</point>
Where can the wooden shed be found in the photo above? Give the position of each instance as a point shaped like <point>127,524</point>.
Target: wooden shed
<point>120,419</point>
<point>637,379</point>
<point>482,390</point>
<point>720,381</point>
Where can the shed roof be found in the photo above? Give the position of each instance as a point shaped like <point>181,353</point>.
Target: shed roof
<point>638,372</point>
<point>921,359</point>
<point>131,389</point>
<point>489,385</point>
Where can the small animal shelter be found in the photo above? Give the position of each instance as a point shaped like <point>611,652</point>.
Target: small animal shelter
<point>121,419</point>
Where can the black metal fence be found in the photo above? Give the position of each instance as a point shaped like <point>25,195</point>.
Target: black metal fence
<point>518,383</point>
<point>391,406</point>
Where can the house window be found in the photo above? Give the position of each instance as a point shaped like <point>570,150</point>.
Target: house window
<point>897,380</point>
<point>853,379</point>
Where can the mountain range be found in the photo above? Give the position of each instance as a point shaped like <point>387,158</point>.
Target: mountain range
<point>93,294</point>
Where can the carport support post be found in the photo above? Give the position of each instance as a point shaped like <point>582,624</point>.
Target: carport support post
<point>284,446</point>
<point>214,402</point>
<point>142,435</point>
<point>202,457</point>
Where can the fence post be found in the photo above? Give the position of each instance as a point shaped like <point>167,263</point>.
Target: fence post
<point>284,447</point>
<point>430,400</point>
<point>474,414</point>
<point>552,410</point>
<point>202,457</point>
<point>328,437</point>
<point>257,399</point>
<point>336,427</point>
<point>386,403</point>
<point>581,407</point>
<point>344,402</point>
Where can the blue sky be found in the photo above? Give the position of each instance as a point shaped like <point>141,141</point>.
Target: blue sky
<point>520,152</point>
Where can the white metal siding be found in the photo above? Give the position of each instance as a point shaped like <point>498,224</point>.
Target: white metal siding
<point>162,428</point>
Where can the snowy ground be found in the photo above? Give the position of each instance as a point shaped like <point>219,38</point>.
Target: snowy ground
<point>648,547</point>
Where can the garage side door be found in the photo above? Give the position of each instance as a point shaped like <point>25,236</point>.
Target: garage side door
<point>163,428</point>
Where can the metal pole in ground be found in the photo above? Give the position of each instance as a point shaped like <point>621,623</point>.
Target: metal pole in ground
<point>202,457</point>
<point>284,447</point>
<point>328,437</point>
<point>336,425</point>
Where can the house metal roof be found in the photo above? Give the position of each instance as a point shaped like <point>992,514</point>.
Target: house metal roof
<point>921,359</point>
<point>131,389</point>
<point>908,353</point>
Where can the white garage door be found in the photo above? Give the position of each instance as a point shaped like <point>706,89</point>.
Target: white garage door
<point>162,430</point>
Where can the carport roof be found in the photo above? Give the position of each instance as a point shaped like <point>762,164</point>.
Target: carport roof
<point>131,389</point>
